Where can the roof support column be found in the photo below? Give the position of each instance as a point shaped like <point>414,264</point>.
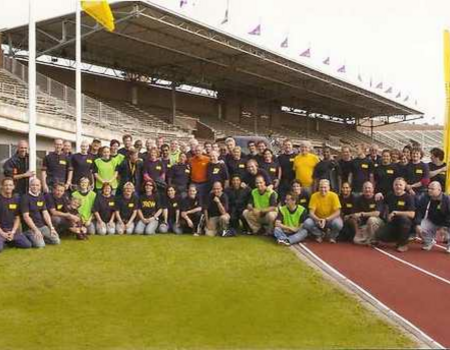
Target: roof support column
<point>1,50</point>
<point>174,102</point>
<point>220,109</point>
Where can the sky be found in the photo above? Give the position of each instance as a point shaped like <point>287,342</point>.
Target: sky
<point>396,42</point>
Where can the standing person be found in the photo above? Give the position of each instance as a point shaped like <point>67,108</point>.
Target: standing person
<point>261,208</point>
<point>253,172</point>
<point>150,210</point>
<point>37,222</point>
<point>117,157</point>
<point>56,167</point>
<point>230,144</point>
<point>127,141</point>
<point>432,215</point>
<point>138,146</point>
<point>126,210</point>
<point>345,163</point>
<point>407,152</point>
<point>174,153</point>
<point>238,197</point>
<point>165,157</point>
<point>82,165</point>
<point>216,214</point>
<point>87,199</point>
<point>400,215</point>
<point>395,156</point>
<point>236,162</point>
<point>272,167</point>
<point>217,171</point>
<point>252,150</point>
<point>373,155</point>
<point>261,147</point>
<point>94,149</point>
<point>10,217</point>
<point>289,223</point>
<point>302,196</point>
<point>348,208</point>
<point>304,164</point>
<point>179,175</point>
<point>154,170</point>
<point>366,219</point>
<point>104,211</point>
<point>193,143</point>
<point>105,170</point>
<point>418,175</point>
<point>199,171</point>
<point>131,170</point>
<point>171,212</point>
<point>362,169</point>
<point>286,161</point>
<point>208,148</point>
<point>403,166</point>
<point>191,211</point>
<point>325,213</point>
<point>384,175</point>
<point>437,167</point>
<point>149,144</point>
<point>67,148</point>
<point>327,169</point>
<point>57,204</point>
<point>17,167</point>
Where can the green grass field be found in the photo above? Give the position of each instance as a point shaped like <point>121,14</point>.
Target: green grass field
<point>171,292</point>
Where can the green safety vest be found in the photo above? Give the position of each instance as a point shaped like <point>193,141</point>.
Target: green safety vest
<point>292,219</point>
<point>87,202</point>
<point>118,159</point>
<point>106,170</point>
<point>261,201</point>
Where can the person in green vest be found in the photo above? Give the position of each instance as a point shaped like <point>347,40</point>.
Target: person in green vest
<point>289,223</point>
<point>105,170</point>
<point>262,208</point>
<point>87,199</point>
<point>115,155</point>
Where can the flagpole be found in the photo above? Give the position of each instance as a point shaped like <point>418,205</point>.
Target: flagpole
<point>32,86</point>
<point>78,108</point>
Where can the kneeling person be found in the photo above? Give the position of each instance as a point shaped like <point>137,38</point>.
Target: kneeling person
<point>216,212</point>
<point>288,225</point>
<point>104,210</point>
<point>191,211</point>
<point>150,209</point>
<point>126,210</point>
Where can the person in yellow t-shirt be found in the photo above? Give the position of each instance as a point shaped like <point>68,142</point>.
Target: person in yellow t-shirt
<point>324,214</point>
<point>304,164</point>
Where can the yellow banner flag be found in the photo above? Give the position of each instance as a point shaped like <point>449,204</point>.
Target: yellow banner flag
<point>100,11</point>
<point>447,105</point>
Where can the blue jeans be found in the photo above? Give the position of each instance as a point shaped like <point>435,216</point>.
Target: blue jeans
<point>293,238</point>
<point>335,226</point>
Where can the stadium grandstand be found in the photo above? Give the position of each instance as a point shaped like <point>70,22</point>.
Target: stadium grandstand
<point>162,74</point>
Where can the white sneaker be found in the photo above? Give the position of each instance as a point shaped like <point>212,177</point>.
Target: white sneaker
<point>284,242</point>
<point>429,246</point>
<point>448,249</point>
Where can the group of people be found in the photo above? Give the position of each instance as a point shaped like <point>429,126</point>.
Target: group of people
<point>217,190</point>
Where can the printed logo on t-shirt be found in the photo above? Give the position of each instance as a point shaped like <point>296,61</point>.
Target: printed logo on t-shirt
<point>130,205</point>
<point>401,203</point>
<point>438,207</point>
<point>59,206</point>
<point>216,171</point>
<point>175,205</point>
<point>40,204</point>
<point>111,204</point>
<point>365,166</point>
<point>272,170</point>
<point>389,171</point>
<point>303,200</point>
<point>241,166</point>
<point>291,160</point>
<point>89,161</point>
<point>372,206</point>
<point>148,204</point>
<point>12,206</point>
<point>419,171</point>
<point>187,171</point>
<point>62,162</point>
<point>349,205</point>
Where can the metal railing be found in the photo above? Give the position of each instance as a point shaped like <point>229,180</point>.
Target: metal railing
<point>63,97</point>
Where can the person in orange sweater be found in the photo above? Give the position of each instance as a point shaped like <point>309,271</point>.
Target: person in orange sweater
<point>199,171</point>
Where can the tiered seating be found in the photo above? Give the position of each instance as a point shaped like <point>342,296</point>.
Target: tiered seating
<point>224,128</point>
<point>398,138</point>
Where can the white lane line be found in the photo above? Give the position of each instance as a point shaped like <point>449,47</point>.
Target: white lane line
<point>374,301</point>
<point>413,266</point>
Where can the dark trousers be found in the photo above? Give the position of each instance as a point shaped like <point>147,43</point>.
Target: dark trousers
<point>347,233</point>
<point>19,241</point>
<point>395,231</point>
<point>195,217</point>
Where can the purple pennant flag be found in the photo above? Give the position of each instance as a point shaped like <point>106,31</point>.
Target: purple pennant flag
<point>399,94</point>
<point>285,43</point>
<point>380,85</point>
<point>360,78</point>
<point>406,98</point>
<point>306,53</point>
<point>326,61</point>
<point>225,18</point>
<point>342,69</point>
<point>183,3</point>
<point>256,30</point>
<point>389,91</point>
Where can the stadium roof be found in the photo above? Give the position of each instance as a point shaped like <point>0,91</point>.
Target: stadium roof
<point>153,41</point>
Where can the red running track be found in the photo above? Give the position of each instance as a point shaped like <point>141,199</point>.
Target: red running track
<point>419,298</point>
